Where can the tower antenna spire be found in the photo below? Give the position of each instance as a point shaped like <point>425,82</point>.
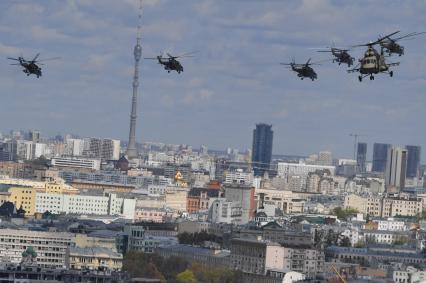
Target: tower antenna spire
<point>139,21</point>
<point>137,53</point>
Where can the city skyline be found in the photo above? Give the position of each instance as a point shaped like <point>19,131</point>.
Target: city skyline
<point>94,78</point>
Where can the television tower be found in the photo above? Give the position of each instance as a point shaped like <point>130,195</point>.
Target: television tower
<point>137,52</point>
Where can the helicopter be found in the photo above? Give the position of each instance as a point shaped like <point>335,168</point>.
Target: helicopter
<point>373,62</point>
<point>170,63</point>
<point>303,70</point>
<point>390,46</point>
<point>31,67</point>
<point>340,55</point>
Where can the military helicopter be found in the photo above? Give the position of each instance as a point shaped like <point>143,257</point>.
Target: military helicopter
<point>30,67</point>
<point>390,46</point>
<point>170,63</point>
<point>303,70</point>
<point>373,62</point>
<point>340,55</point>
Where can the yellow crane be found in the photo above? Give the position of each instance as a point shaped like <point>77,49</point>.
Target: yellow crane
<point>343,280</point>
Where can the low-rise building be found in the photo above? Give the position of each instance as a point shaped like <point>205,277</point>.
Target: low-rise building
<point>204,256</point>
<point>93,258</point>
<point>384,206</point>
<point>51,247</point>
<point>254,256</point>
<point>106,204</point>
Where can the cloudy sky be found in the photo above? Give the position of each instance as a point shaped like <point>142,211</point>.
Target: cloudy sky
<point>234,82</point>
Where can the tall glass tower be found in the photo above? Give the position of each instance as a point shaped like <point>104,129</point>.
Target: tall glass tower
<point>413,160</point>
<point>380,156</point>
<point>262,148</point>
<point>361,157</point>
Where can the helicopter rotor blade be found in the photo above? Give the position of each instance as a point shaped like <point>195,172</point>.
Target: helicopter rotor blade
<point>12,58</point>
<point>48,59</point>
<point>15,64</point>
<point>151,58</point>
<point>35,58</point>
<point>409,35</point>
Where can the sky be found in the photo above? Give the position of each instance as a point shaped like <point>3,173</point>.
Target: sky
<point>233,82</point>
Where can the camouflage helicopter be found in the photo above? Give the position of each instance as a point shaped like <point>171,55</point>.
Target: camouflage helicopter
<point>341,55</point>
<point>170,63</point>
<point>390,45</point>
<point>303,70</point>
<point>373,62</point>
<point>31,66</point>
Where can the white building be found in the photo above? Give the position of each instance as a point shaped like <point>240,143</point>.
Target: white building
<point>74,147</point>
<point>239,177</point>
<point>51,247</point>
<point>396,167</point>
<point>287,170</point>
<point>391,225</point>
<point>25,149</point>
<point>108,204</point>
<point>110,149</point>
<point>74,162</point>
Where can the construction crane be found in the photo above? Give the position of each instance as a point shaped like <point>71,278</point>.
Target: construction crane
<point>356,136</point>
<point>343,280</point>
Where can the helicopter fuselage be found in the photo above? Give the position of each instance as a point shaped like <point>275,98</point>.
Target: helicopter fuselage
<point>342,57</point>
<point>305,72</point>
<point>171,64</point>
<point>391,46</point>
<point>31,68</point>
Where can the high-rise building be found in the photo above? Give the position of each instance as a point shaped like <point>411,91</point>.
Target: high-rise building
<point>396,168</point>
<point>34,136</point>
<point>137,53</point>
<point>361,157</point>
<point>413,160</point>
<point>110,149</point>
<point>325,158</point>
<point>380,155</point>
<point>262,148</point>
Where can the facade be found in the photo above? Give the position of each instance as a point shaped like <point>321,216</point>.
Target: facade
<point>244,196</point>
<point>51,247</point>
<point>262,148</point>
<point>413,160</point>
<point>361,157</point>
<point>204,256</point>
<point>177,199</point>
<point>256,257</point>
<point>107,204</point>
<point>384,206</point>
<point>24,197</point>
<point>304,260</point>
<point>93,258</point>
<point>110,149</point>
<point>73,162</point>
<point>289,170</point>
<point>396,167</point>
<point>380,155</point>
<point>74,147</point>
<point>238,177</point>
<point>325,158</point>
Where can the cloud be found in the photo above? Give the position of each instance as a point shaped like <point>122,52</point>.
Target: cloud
<point>234,77</point>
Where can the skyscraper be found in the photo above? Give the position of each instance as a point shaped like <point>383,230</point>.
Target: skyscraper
<point>380,155</point>
<point>396,168</point>
<point>413,160</point>
<point>262,148</point>
<point>361,157</point>
<point>137,53</point>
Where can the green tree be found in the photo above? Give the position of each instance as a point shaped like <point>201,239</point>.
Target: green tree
<point>186,276</point>
<point>344,213</point>
<point>345,242</point>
